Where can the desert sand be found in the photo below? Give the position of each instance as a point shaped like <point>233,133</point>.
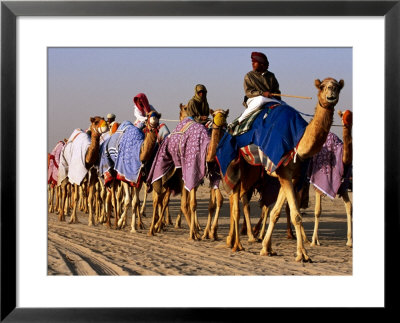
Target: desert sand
<point>77,249</point>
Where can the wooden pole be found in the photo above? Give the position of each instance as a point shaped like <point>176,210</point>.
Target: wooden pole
<point>292,96</point>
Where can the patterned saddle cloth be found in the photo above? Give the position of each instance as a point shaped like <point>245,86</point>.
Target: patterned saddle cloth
<point>270,141</point>
<point>120,154</point>
<point>186,148</point>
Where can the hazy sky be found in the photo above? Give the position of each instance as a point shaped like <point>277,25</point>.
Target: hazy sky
<point>84,82</point>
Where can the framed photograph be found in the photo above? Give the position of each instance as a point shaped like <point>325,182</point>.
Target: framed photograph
<point>35,34</point>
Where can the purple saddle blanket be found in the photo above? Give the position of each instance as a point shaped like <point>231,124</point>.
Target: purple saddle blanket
<point>186,148</point>
<point>326,170</point>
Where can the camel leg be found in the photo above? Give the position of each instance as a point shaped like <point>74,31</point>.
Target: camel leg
<point>211,210</point>
<point>185,206</point>
<point>162,210</point>
<point>289,231</point>
<point>118,203</point>
<point>136,200</point>
<point>109,204</point>
<point>91,184</point>
<point>168,218</point>
<point>264,217</point>
<point>256,228</point>
<point>219,201</point>
<point>103,203</point>
<point>178,220</point>
<point>229,238</point>
<point>233,239</point>
<point>58,198</point>
<point>295,217</point>
<point>76,203</point>
<point>349,211</point>
<point>63,198</point>
<point>97,202</point>
<point>274,216</point>
<point>157,200</point>
<point>317,213</point>
<point>127,199</point>
<point>194,233</point>
<point>50,194</point>
<point>114,202</point>
<point>246,212</point>
<point>135,209</point>
<point>143,208</point>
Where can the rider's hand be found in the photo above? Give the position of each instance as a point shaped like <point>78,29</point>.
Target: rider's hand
<point>267,94</point>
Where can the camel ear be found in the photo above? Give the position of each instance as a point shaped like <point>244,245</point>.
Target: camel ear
<point>340,113</point>
<point>341,84</point>
<point>227,113</point>
<point>317,83</point>
<point>92,119</point>
<point>181,106</point>
<point>212,111</point>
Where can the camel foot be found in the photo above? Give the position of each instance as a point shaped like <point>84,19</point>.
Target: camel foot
<point>349,244</point>
<point>133,230</point>
<point>237,247</point>
<point>214,237</point>
<point>194,237</point>
<point>252,239</point>
<point>229,241</point>
<point>108,225</point>
<point>315,243</point>
<point>265,252</point>
<point>150,233</point>
<point>90,224</point>
<point>303,257</point>
<point>291,236</point>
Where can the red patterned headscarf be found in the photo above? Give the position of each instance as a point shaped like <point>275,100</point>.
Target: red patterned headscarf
<point>146,106</point>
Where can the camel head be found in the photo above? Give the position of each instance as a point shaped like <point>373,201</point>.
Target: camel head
<point>153,119</point>
<point>98,125</point>
<point>347,118</point>
<point>219,117</point>
<point>328,92</point>
<point>183,112</point>
<point>219,123</point>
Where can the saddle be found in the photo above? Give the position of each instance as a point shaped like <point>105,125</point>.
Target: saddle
<point>236,128</point>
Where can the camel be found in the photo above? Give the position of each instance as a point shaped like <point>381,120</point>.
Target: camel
<point>78,156</point>
<point>176,177</point>
<point>216,198</point>
<point>288,169</point>
<point>52,177</point>
<point>130,188</point>
<point>342,190</point>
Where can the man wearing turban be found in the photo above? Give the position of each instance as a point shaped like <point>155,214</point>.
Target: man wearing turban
<point>260,85</point>
<point>197,107</point>
<point>141,108</point>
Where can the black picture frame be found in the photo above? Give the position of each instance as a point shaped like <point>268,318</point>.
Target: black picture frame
<point>10,10</point>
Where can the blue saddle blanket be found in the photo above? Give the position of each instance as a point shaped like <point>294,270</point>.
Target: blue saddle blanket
<point>121,153</point>
<point>275,131</point>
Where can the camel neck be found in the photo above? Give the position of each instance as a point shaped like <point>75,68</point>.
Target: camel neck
<point>148,144</point>
<point>316,132</point>
<point>92,153</point>
<point>216,134</point>
<point>347,145</point>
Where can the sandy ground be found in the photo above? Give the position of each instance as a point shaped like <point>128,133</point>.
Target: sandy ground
<point>77,249</point>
